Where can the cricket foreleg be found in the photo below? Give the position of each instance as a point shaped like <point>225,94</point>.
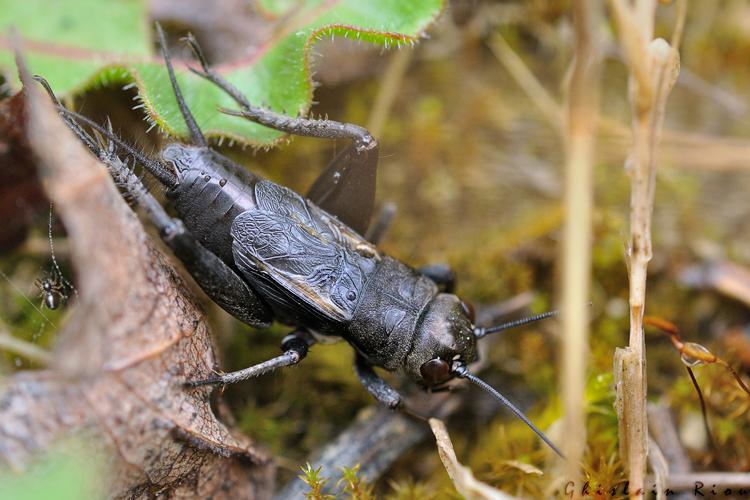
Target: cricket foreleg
<point>442,275</point>
<point>294,347</point>
<point>379,388</point>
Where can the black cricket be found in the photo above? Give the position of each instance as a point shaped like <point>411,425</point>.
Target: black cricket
<point>264,253</point>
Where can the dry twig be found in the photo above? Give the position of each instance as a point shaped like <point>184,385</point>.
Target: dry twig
<point>26,349</point>
<point>461,476</point>
<point>653,66</point>
<point>583,110</point>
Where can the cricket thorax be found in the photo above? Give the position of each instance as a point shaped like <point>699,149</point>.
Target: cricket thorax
<point>386,317</point>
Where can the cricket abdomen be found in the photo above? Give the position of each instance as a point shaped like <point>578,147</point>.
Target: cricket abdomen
<point>210,194</point>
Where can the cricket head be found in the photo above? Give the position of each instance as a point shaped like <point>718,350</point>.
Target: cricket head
<point>444,339</point>
<point>445,344</point>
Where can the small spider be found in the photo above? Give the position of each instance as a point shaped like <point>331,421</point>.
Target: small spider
<point>53,287</point>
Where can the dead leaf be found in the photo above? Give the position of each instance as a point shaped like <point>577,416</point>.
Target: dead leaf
<point>523,467</point>
<point>463,479</point>
<point>21,196</point>
<point>727,278</point>
<point>133,338</point>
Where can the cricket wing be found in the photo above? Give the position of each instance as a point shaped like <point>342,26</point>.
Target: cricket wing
<point>346,188</point>
<point>293,261</point>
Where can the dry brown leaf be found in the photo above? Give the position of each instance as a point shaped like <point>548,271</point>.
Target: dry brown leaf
<point>727,278</point>
<point>20,193</point>
<point>134,337</point>
<point>523,467</point>
<point>227,29</point>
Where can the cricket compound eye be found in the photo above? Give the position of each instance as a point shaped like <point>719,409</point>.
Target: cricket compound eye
<point>435,371</point>
<point>468,308</point>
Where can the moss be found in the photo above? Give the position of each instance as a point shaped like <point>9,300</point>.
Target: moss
<point>314,479</point>
<point>475,172</point>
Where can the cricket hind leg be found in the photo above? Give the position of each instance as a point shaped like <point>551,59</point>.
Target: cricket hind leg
<point>294,349</point>
<point>72,119</point>
<point>325,129</point>
<point>346,187</point>
<point>216,279</point>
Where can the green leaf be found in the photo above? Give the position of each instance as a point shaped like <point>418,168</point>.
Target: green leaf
<point>80,44</point>
<point>62,474</point>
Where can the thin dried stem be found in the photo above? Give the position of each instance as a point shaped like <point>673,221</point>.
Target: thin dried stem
<point>704,411</point>
<point>388,91</point>
<point>583,111</point>
<point>546,104</point>
<point>461,476</point>
<point>653,66</point>
<point>27,350</point>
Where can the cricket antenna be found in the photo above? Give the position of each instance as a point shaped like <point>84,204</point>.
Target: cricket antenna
<point>480,332</point>
<point>463,372</point>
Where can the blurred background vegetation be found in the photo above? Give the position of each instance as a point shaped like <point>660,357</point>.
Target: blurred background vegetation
<point>474,164</point>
